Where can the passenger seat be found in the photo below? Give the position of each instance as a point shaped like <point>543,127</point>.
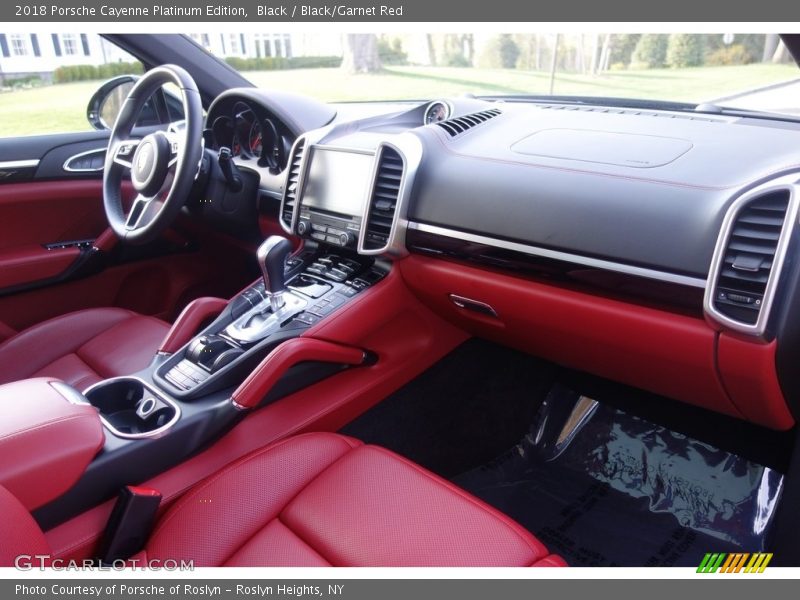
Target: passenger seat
<point>320,499</point>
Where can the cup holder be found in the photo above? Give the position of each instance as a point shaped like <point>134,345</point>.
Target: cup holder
<point>131,409</point>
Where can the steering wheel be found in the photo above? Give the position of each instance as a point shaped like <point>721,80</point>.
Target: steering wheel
<point>162,165</point>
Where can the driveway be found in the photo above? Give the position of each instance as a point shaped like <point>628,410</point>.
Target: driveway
<point>781,98</point>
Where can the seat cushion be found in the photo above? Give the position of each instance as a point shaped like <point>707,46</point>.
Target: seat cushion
<point>84,347</point>
<point>325,499</point>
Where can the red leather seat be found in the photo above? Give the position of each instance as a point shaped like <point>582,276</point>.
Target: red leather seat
<point>82,348</point>
<point>323,499</point>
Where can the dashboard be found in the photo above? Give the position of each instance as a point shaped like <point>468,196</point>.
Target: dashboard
<point>690,215</point>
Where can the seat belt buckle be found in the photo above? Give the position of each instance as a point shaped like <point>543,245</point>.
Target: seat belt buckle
<point>130,523</point>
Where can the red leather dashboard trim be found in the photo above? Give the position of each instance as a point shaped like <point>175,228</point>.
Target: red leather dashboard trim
<point>190,320</point>
<point>749,374</point>
<point>659,351</point>
<point>281,359</point>
<point>45,441</point>
<point>27,264</point>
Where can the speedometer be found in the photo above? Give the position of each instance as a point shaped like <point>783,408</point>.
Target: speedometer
<point>436,112</point>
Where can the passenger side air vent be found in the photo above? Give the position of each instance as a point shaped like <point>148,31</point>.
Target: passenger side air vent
<point>292,181</point>
<point>750,254</point>
<point>459,125</point>
<point>383,200</point>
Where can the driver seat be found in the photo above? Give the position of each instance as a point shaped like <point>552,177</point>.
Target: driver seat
<point>83,347</point>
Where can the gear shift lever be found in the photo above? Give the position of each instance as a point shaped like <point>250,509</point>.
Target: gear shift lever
<point>271,256</point>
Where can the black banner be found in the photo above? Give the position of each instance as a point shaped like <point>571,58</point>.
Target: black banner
<point>389,589</point>
<point>444,11</point>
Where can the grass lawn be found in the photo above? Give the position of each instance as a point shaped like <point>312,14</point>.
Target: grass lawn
<point>63,107</point>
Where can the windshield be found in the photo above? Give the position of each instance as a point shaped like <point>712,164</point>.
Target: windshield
<point>746,71</point>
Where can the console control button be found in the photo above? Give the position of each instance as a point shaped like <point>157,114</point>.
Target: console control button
<point>307,318</point>
<point>337,274</point>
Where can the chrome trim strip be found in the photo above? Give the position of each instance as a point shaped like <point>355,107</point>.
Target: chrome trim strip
<point>19,164</point>
<point>787,183</point>
<point>409,147</point>
<point>137,436</point>
<point>66,166</point>
<point>586,261</point>
<point>72,395</point>
<point>464,302</point>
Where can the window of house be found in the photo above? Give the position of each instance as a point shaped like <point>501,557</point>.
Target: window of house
<point>19,44</point>
<point>234,46</point>
<point>69,41</point>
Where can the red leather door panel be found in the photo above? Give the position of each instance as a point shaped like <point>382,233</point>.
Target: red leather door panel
<point>33,214</point>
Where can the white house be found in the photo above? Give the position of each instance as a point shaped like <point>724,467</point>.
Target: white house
<point>39,54</point>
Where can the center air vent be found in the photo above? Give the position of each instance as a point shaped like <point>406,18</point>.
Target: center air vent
<point>290,192</point>
<point>383,201</point>
<point>750,260</point>
<point>459,125</point>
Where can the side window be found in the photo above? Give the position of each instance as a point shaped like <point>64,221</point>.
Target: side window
<point>47,80</point>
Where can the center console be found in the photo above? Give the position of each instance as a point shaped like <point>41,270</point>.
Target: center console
<point>284,304</point>
<point>222,359</point>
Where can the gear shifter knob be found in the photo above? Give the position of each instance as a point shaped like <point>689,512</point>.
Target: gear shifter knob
<point>271,256</point>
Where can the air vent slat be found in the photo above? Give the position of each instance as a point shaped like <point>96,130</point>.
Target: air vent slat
<point>756,219</point>
<point>459,125</point>
<point>290,194</point>
<point>755,246</point>
<point>749,255</point>
<point>755,233</point>
<point>383,200</point>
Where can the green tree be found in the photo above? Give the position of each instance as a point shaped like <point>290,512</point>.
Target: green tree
<point>651,51</point>
<point>685,50</point>
<point>501,52</point>
<point>621,48</point>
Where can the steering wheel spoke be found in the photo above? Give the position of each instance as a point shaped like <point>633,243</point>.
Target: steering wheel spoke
<point>123,152</point>
<point>176,141</point>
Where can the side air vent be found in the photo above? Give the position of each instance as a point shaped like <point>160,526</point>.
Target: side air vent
<point>383,200</point>
<point>459,125</point>
<point>750,258</point>
<point>292,181</point>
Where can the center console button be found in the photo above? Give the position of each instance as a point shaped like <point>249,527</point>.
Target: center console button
<point>318,236</point>
<point>337,274</point>
<point>307,318</point>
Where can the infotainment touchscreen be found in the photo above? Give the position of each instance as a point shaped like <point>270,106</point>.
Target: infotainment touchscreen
<point>337,181</point>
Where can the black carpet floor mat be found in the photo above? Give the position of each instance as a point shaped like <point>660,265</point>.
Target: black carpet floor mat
<point>475,403</point>
<point>603,488</point>
<point>641,481</point>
